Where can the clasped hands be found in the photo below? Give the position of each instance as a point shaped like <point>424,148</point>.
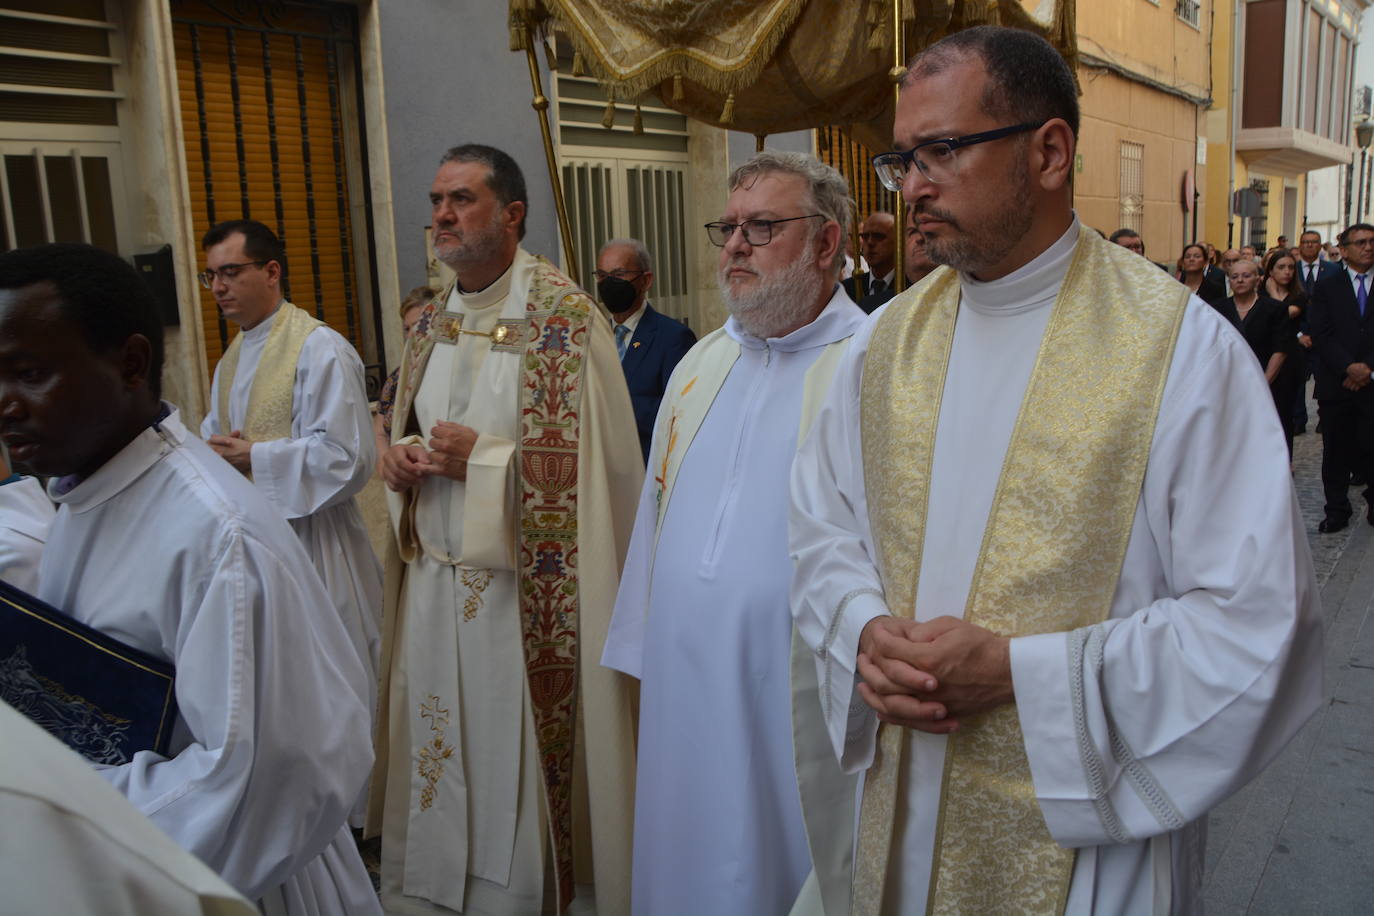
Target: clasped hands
<point>1357,375</point>
<point>450,444</point>
<point>931,675</point>
<point>234,449</point>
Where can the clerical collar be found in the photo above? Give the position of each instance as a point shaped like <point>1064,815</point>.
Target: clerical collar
<point>494,294</point>
<point>61,486</point>
<point>1033,285</point>
<point>262,328</point>
<point>835,322</point>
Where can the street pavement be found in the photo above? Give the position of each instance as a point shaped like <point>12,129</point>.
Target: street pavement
<point>1297,839</point>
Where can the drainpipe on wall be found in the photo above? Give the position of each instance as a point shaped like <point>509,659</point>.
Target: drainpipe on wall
<point>1235,124</point>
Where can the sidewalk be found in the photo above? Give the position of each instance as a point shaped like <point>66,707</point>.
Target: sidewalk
<point>1297,839</point>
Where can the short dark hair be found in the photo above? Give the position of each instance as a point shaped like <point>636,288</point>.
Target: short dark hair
<point>1028,80</point>
<point>1344,238</point>
<point>1124,233</point>
<point>504,177</point>
<point>96,290</point>
<point>259,242</point>
<point>1307,232</point>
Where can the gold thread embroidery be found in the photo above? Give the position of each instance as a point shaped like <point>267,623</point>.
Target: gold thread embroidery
<point>476,581</point>
<point>434,753</point>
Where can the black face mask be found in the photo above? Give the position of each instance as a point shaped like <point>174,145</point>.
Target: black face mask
<point>617,294</point>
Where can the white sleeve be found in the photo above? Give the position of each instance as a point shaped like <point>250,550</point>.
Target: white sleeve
<point>1212,658</point>
<point>836,588</point>
<point>26,513</point>
<point>268,687</point>
<point>332,450</point>
<point>625,639</point>
<point>210,425</point>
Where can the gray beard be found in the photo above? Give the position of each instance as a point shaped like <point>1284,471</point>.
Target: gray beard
<point>776,303</point>
<point>475,248</point>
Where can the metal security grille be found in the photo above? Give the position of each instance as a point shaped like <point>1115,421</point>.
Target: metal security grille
<point>57,62</point>
<point>1132,186</point>
<point>656,200</point>
<point>264,116</point>
<point>1190,11</point>
<point>855,162</point>
<point>57,192</point>
<point>1259,225</point>
<point>588,187</point>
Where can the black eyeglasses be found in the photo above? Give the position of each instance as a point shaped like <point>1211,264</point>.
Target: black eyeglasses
<point>757,232</point>
<point>937,159</point>
<point>620,273</point>
<point>227,271</point>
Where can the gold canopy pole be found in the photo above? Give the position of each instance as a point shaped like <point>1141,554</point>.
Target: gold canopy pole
<point>899,208</point>
<point>540,104</point>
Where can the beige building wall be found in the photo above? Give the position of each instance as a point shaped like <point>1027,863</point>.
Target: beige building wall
<point>1144,76</point>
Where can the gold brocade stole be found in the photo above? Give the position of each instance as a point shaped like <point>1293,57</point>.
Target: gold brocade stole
<point>558,323</point>
<point>1052,551</point>
<point>270,399</point>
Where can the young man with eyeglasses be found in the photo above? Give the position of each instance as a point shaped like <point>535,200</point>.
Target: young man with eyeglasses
<point>650,343</point>
<point>1339,319</point>
<point>289,410</point>
<point>702,615</point>
<point>1049,561</point>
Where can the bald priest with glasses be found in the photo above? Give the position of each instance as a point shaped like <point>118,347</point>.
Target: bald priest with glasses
<point>289,410</point>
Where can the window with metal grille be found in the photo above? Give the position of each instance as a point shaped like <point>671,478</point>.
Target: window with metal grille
<point>1190,11</point>
<point>272,133</point>
<point>1259,225</point>
<point>626,180</point>
<point>1132,186</point>
<point>60,83</point>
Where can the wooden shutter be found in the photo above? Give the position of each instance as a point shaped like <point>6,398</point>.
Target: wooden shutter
<point>263,129</point>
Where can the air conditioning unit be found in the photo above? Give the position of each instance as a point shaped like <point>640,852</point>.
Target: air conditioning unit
<point>1364,102</point>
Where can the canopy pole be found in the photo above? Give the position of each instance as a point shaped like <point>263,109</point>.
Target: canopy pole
<point>540,104</point>
<point>897,74</point>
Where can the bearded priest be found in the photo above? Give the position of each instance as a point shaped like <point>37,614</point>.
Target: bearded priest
<point>1052,622</point>
<point>702,617</point>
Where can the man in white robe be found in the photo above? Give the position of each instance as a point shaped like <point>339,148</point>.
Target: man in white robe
<point>297,423</point>
<point>702,616</point>
<point>25,514</point>
<point>513,470</point>
<point>71,844</point>
<point>1093,750</point>
<point>161,545</point>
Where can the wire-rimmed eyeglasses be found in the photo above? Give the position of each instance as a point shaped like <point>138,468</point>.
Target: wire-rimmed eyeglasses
<point>757,232</point>
<point>937,160</point>
<point>227,271</point>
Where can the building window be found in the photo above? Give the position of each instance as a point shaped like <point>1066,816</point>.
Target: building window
<point>1189,11</point>
<point>1132,185</point>
<point>1259,224</point>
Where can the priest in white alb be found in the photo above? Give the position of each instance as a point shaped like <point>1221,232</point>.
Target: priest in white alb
<point>702,616</point>
<point>505,770</point>
<point>1049,559</point>
<point>288,408</point>
<point>162,546</point>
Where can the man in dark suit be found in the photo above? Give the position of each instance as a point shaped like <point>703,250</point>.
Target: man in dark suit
<point>878,241</point>
<point>1311,268</point>
<point>1343,348</point>
<point>650,343</point>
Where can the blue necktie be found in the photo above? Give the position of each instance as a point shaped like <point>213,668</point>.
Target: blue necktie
<point>622,334</point>
<point>1361,294</point>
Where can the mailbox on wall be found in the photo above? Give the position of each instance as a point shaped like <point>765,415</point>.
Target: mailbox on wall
<point>157,270</point>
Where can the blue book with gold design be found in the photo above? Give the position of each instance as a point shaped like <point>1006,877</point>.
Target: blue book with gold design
<point>103,699</point>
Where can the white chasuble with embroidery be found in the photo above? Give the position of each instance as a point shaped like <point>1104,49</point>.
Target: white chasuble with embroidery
<point>702,620</point>
<point>466,821</point>
<point>1132,728</point>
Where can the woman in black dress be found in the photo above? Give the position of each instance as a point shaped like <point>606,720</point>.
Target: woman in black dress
<point>1267,329</point>
<point>1192,273</point>
<point>1281,284</point>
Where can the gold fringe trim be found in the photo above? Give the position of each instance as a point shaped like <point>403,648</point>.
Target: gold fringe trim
<point>608,116</point>
<point>579,65</point>
<point>727,114</point>
<point>639,120</point>
<point>677,87</point>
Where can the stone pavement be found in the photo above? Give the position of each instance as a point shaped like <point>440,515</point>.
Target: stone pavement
<point>1297,839</point>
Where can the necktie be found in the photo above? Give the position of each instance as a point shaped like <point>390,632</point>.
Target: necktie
<point>876,288</point>
<point>622,334</point>
<point>1361,294</point>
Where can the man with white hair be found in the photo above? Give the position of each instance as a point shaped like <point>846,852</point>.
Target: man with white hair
<point>702,614</point>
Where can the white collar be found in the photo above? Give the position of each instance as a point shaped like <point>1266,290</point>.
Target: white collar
<point>1031,286</point>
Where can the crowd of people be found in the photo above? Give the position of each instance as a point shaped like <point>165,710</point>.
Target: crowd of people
<point>865,602</point>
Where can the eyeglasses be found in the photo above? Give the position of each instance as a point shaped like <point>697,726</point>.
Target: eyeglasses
<point>227,271</point>
<point>937,159</point>
<point>1365,242</point>
<point>620,273</point>
<point>757,232</point>
<point>872,236</point>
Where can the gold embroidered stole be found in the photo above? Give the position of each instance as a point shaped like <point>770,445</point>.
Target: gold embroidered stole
<point>1051,555</point>
<point>270,399</point>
